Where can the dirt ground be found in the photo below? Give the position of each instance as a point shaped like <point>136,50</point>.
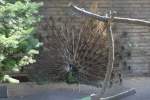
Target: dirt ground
<point>74,92</point>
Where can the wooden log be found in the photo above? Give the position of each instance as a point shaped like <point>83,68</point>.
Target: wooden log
<point>9,79</point>
<point>121,95</point>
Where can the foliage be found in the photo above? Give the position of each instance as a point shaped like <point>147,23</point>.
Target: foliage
<point>70,77</point>
<point>18,44</point>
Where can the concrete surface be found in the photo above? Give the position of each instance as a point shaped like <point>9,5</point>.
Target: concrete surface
<point>141,84</point>
<point>51,95</point>
<point>52,91</point>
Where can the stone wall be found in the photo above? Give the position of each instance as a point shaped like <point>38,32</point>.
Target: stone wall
<point>135,35</point>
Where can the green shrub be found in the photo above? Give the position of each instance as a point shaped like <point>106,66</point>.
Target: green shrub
<point>18,44</point>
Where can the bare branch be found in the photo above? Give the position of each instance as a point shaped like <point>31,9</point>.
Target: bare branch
<point>106,18</point>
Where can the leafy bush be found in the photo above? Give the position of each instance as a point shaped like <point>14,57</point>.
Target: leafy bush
<point>18,44</point>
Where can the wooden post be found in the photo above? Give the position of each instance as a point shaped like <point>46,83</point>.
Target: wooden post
<point>111,57</point>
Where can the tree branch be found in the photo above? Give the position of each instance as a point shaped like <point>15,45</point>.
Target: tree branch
<point>106,18</point>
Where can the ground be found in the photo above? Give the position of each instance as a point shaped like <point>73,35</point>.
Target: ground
<point>141,84</point>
